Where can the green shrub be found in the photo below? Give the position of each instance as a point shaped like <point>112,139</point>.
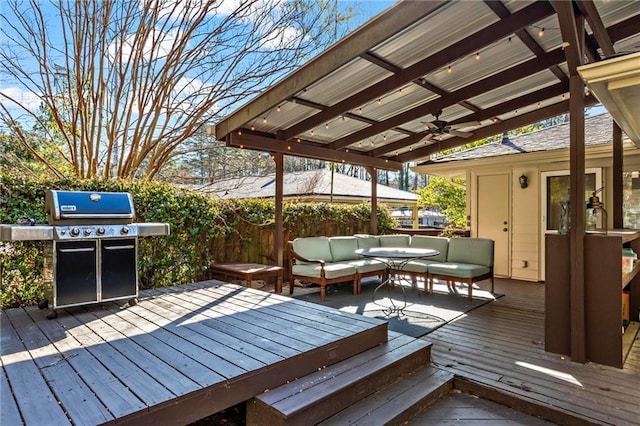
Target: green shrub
<point>203,231</point>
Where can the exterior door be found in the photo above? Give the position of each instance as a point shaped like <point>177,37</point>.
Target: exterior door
<point>493,218</point>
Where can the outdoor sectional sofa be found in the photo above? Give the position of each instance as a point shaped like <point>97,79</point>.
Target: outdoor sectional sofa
<point>328,260</point>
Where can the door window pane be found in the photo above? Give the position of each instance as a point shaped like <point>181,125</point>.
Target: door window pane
<point>631,199</point>
<point>558,189</point>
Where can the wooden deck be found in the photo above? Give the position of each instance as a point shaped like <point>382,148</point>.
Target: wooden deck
<point>497,352</point>
<point>179,355</point>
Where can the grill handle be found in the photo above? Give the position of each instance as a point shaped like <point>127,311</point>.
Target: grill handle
<point>76,250</point>
<point>128,247</point>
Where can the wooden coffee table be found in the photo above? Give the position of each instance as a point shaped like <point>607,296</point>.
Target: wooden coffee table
<point>250,271</point>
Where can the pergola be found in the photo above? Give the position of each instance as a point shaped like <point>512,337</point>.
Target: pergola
<point>498,65</point>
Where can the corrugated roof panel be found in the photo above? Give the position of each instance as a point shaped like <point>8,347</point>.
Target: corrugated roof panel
<point>613,12</point>
<point>492,60</point>
<point>436,33</point>
<point>396,102</point>
<point>516,89</point>
<point>333,129</point>
<point>529,108</point>
<point>551,38</point>
<point>516,5</point>
<point>290,113</point>
<point>346,81</point>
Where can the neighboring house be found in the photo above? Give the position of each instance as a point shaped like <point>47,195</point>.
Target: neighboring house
<point>313,185</point>
<point>517,218</point>
<point>426,218</point>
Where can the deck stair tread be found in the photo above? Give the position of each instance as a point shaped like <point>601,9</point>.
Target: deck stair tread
<point>323,393</point>
<point>399,401</point>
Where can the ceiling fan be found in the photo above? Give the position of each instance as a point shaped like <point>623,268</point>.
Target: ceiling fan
<point>439,127</point>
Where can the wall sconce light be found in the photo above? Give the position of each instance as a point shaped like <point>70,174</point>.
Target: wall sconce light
<point>524,181</point>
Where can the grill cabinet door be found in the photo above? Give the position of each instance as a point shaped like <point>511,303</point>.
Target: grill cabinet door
<point>76,269</point>
<point>119,269</point>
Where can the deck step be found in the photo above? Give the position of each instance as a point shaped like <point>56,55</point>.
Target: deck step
<point>319,395</point>
<point>398,402</point>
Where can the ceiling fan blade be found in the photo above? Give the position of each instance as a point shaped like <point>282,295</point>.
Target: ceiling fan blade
<point>459,133</point>
<point>466,124</point>
<point>427,137</point>
<point>430,125</point>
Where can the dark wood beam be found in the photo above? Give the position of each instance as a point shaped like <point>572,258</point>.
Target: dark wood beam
<point>588,9</point>
<point>618,170</point>
<point>471,44</point>
<point>278,240</point>
<point>502,11</point>
<point>497,80</point>
<point>624,29</point>
<point>374,200</point>
<point>381,28</point>
<point>570,35</point>
<point>264,143</point>
<point>500,109</point>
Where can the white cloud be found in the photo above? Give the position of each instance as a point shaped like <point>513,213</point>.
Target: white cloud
<point>281,38</point>
<point>27,99</point>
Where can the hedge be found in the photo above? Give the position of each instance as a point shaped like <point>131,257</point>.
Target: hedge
<point>203,231</point>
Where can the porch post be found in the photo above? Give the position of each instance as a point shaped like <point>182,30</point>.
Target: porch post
<point>618,169</point>
<point>278,157</point>
<point>572,30</point>
<point>374,200</point>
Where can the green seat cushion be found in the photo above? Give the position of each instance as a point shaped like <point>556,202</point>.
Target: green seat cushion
<point>459,270</point>
<point>477,251</point>
<point>366,266</point>
<point>439,244</point>
<point>420,266</point>
<point>394,240</point>
<point>331,270</point>
<point>343,248</point>
<point>316,248</point>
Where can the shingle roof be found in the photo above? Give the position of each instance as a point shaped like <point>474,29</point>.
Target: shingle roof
<point>309,184</point>
<point>597,131</point>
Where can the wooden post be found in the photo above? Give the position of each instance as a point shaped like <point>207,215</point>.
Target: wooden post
<point>374,200</point>
<point>618,169</point>
<point>278,157</point>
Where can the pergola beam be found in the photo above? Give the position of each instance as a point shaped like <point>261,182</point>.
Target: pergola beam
<point>588,9</point>
<point>264,143</point>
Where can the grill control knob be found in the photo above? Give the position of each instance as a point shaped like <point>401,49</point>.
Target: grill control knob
<point>124,230</point>
<point>100,230</point>
<point>74,232</point>
<point>87,231</point>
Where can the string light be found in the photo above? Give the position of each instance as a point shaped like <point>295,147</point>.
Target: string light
<point>278,109</point>
<point>541,32</point>
<point>379,101</point>
<point>515,112</point>
<point>253,128</point>
<point>326,125</point>
<point>312,132</point>
<point>239,132</point>
<point>298,140</point>
<point>264,120</point>
<point>563,96</point>
<point>400,91</point>
<point>478,56</point>
<point>449,69</point>
<point>539,104</point>
<point>509,41</point>
<point>360,110</point>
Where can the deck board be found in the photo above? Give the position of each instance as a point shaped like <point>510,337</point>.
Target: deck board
<point>179,355</point>
<point>500,346</point>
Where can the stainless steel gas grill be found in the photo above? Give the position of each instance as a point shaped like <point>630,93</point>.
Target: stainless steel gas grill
<point>91,245</point>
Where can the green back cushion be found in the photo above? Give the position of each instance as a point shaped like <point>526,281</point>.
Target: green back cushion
<point>316,248</point>
<point>435,243</point>
<point>343,248</point>
<point>394,240</point>
<point>478,251</point>
<point>368,241</point>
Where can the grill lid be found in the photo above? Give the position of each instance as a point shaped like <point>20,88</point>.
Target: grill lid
<point>78,207</point>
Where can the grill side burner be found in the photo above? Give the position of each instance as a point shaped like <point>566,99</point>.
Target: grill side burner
<point>91,247</point>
